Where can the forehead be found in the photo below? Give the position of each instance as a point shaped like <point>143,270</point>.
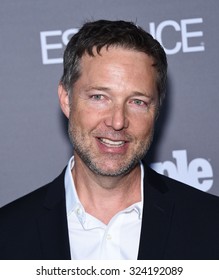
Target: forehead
<point>121,70</point>
<point>116,52</point>
<point>118,58</point>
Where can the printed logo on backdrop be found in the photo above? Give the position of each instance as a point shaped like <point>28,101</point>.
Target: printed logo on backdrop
<point>188,31</point>
<point>197,173</point>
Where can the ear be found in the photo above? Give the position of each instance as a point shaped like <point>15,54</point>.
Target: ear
<point>63,100</point>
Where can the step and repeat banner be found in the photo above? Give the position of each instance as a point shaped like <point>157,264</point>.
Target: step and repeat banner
<point>34,146</point>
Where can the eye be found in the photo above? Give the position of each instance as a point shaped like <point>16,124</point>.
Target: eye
<point>97,97</point>
<point>139,102</point>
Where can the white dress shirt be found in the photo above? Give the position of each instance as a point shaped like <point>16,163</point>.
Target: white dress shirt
<point>92,239</point>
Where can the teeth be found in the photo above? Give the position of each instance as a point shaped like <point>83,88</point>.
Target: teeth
<point>111,143</point>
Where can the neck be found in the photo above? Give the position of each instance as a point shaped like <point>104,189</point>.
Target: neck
<point>104,196</point>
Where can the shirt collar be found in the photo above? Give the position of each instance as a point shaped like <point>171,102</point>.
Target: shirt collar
<point>73,202</point>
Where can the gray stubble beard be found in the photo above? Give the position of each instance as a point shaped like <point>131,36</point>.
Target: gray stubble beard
<point>86,156</point>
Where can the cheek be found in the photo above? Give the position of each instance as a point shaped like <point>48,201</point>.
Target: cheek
<point>142,125</point>
<point>84,119</point>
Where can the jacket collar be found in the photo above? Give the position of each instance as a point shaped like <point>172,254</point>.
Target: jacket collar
<point>157,216</point>
<point>52,223</point>
<point>156,222</point>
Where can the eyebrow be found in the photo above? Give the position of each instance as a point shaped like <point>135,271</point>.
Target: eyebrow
<point>97,88</point>
<point>137,93</point>
<point>107,89</point>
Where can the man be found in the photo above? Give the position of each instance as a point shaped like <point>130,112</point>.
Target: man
<point>107,204</point>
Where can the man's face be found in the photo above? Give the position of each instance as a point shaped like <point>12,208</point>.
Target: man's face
<point>113,110</point>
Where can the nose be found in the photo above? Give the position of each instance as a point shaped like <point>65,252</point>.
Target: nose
<point>117,118</point>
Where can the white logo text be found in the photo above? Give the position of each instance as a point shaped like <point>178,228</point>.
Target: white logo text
<point>197,173</point>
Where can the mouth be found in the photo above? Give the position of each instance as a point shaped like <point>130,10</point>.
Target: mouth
<point>112,143</point>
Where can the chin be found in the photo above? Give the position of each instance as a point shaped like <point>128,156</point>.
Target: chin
<point>113,171</point>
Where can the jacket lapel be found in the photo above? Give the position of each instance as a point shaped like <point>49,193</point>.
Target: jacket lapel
<point>157,216</point>
<point>156,221</point>
<point>52,223</point>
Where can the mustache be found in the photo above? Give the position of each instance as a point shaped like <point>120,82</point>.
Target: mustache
<point>113,135</point>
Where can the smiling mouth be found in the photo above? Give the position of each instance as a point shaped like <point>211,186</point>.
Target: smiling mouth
<point>111,143</point>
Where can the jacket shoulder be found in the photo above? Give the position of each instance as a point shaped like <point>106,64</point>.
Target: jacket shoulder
<point>174,188</point>
<point>31,203</point>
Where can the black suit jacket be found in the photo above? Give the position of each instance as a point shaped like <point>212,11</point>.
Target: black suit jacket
<point>179,222</point>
